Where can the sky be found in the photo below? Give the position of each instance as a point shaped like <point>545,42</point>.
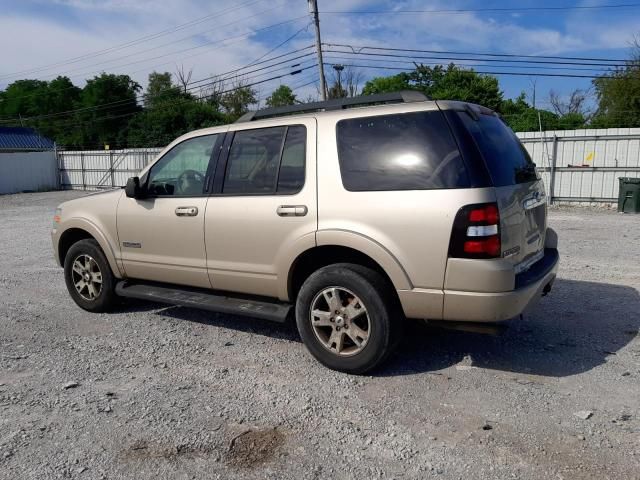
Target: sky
<point>81,38</point>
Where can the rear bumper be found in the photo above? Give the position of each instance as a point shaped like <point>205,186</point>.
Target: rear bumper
<point>499,306</point>
<point>520,293</point>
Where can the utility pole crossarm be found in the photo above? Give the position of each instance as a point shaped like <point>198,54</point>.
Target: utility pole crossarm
<point>313,9</point>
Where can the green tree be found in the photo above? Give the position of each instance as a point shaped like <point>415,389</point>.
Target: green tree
<point>393,83</point>
<point>237,101</point>
<point>618,94</point>
<point>169,112</point>
<point>442,83</point>
<point>281,96</point>
<point>107,101</point>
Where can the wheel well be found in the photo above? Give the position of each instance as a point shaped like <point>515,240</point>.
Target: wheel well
<point>318,257</point>
<point>68,238</point>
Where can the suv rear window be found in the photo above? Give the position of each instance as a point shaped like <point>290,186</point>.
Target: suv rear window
<point>408,151</point>
<point>507,160</point>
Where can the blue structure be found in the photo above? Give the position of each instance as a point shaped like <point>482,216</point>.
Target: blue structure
<point>20,139</point>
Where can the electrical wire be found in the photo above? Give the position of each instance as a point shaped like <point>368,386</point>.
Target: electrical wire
<point>137,41</point>
<point>458,11</point>
<point>359,48</point>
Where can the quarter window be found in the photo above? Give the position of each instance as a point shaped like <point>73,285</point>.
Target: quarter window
<point>409,151</point>
<point>182,170</point>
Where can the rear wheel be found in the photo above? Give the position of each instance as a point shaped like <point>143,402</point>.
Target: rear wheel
<point>89,278</point>
<point>347,317</point>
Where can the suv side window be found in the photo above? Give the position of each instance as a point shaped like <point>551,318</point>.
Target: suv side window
<point>182,170</point>
<point>294,155</point>
<point>266,161</point>
<point>407,151</point>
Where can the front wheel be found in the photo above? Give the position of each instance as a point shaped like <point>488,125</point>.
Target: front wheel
<point>347,317</point>
<point>88,276</point>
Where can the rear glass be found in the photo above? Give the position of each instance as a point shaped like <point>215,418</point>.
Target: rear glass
<point>507,160</point>
<point>408,151</point>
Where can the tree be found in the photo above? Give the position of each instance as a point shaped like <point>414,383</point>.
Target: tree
<point>442,83</point>
<point>105,100</point>
<point>281,96</point>
<point>184,77</point>
<point>393,83</point>
<point>574,105</point>
<point>169,112</point>
<point>618,94</point>
<point>236,102</point>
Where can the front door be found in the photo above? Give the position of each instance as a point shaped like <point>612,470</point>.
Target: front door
<point>263,206</point>
<point>162,237</point>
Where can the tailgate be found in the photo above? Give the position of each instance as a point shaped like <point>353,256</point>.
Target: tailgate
<point>519,191</point>
<point>523,222</point>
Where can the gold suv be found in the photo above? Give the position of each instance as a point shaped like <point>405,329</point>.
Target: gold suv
<point>354,214</point>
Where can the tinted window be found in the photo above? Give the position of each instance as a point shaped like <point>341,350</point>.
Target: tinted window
<point>291,177</point>
<point>253,162</point>
<point>409,151</point>
<point>507,160</point>
<point>182,170</point>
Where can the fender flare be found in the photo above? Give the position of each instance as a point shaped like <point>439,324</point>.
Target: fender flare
<point>95,231</point>
<point>371,248</point>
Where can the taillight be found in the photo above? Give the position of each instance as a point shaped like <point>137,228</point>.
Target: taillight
<point>476,232</point>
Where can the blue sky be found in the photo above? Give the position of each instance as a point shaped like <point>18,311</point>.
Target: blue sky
<point>38,33</point>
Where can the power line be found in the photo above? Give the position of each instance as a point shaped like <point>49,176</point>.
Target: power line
<point>306,27</point>
<point>532,74</point>
<point>139,40</point>
<point>212,80</point>
<point>360,48</point>
<point>478,58</point>
<point>414,60</point>
<point>184,100</point>
<point>255,63</point>
<point>480,10</point>
<point>206,44</point>
<point>122,103</point>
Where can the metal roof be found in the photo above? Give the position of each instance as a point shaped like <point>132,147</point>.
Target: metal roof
<point>22,138</point>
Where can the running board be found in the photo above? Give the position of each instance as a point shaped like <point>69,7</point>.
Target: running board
<point>202,299</point>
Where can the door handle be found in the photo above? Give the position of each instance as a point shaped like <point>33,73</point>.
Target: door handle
<point>292,210</point>
<point>187,211</point>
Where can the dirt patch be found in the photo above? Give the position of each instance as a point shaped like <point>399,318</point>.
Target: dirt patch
<point>254,447</point>
<point>142,449</point>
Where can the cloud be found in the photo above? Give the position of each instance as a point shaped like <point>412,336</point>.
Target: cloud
<point>39,32</point>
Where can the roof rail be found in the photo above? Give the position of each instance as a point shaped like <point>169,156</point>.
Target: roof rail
<point>404,96</point>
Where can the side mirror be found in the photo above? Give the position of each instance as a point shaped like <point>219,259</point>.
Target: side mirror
<point>133,188</point>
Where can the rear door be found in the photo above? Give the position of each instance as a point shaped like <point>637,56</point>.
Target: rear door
<point>263,207</point>
<point>519,191</point>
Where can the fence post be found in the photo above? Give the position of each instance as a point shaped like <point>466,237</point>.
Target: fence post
<point>58,163</point>
<point>552,173</point>
<point>84,183</point>
<point>113,182</point>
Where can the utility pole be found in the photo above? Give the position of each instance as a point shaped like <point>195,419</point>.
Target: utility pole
<point>313,9</point>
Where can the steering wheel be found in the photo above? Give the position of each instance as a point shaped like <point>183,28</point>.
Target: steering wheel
<point>190,182</point>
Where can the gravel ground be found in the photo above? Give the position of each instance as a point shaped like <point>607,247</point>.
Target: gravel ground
<point>151,392</point>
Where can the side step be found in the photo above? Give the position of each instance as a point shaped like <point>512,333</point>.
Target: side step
<point>188,297</point>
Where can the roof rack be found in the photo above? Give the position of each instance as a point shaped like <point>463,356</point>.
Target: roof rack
<point>405,96</point>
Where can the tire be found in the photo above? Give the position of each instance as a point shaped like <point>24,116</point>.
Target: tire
<point>356,288</point>
<point>102,297</point>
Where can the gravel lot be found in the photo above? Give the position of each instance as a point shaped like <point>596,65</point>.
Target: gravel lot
<point>152,392</point>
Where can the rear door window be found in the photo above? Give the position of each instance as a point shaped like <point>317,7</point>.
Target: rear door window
<point>506,158</point>
<point>408,151</point>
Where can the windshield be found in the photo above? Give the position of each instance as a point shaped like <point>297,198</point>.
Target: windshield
<point>507,160</point>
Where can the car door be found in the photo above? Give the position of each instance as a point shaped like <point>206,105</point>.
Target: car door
<point>263,208</point>
<point>162,236</point>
